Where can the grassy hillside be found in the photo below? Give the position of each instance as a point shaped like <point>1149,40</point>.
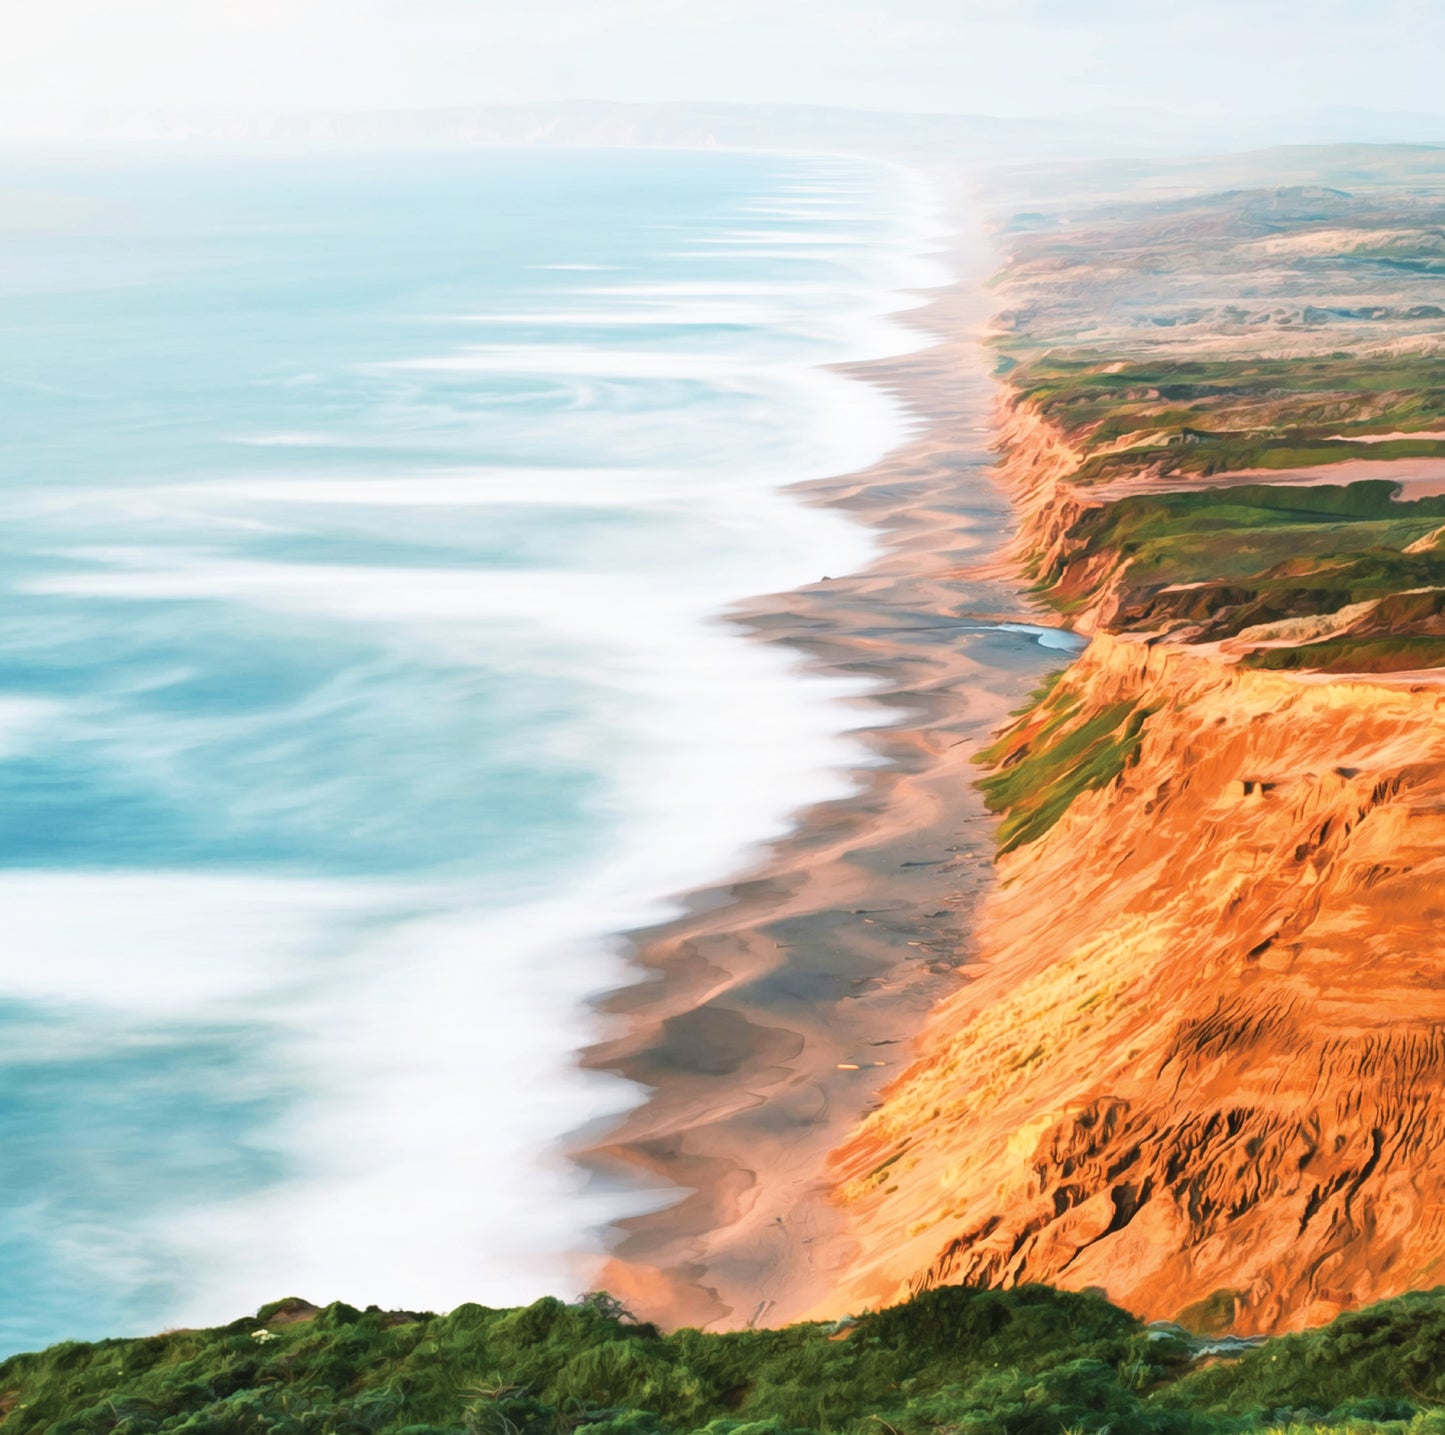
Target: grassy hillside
<point>1207,416</point>
<point>1031,1361</point>
<point>1042,763</point>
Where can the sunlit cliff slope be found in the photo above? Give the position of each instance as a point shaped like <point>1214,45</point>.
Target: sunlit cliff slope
<point>1201,1063</point>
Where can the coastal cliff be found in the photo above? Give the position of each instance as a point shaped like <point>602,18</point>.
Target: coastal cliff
<point>1199,1062</point>
<point>1199,1065</point>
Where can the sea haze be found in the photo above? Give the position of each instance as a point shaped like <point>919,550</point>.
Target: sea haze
<point>365,526</point>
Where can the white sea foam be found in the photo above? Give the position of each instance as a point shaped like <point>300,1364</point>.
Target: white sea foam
<point>464,488</point>
<point>692,316</point>
<point>709,288</point>
<point>814,239</point>
<point>164,944</point>
<point>21,719</point>
<point>869,335</point>
<point>457,1062</point>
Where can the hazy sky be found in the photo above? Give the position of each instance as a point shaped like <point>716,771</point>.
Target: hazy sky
<point>981,56</point>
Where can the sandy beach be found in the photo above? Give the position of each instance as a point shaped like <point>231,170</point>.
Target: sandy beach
<point>774,1010</point>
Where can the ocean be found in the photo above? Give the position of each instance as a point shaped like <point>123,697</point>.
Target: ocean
<point>368,526</point>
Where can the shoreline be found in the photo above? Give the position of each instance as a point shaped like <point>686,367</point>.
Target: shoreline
<point>766,1015</point>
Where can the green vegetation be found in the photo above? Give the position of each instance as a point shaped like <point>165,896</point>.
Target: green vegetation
<point>1213,534</point>
<point>1352,654</point>
<point>1031,1361</point>
<point>1209,564</point>
<point>1206,563</point>
<point>1059,752</point>
<point>1217,561</point>
<point>955,1361</point>
<point>1209,416</point>
<point>1381,1363</point>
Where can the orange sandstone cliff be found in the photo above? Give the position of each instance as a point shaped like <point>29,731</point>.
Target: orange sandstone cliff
<point>1200,1063</point>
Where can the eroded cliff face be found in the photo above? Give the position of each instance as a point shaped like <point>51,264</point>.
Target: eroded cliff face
<point>1200,1062</point>
<point>1202,1066</point>
<point>1037,462</point>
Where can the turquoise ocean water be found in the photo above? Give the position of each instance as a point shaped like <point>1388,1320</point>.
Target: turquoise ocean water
<point>365,525</point>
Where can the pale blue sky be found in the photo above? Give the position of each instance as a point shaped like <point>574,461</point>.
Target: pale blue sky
<point>980,56</point>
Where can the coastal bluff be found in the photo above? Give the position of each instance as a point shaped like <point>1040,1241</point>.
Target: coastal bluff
<point>1198,1064</point>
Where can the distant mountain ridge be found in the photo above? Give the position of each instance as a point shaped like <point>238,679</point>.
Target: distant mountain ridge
<point>709,125</point>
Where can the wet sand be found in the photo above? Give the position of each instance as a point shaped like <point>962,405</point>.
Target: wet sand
<point>768,1016</point>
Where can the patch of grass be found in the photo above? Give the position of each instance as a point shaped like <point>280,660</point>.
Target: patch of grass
<point>1041,693</point>
<point>1129,524</point>
<point>1378,1364</point>
<point>1217,561</point>
<point>1367,653</point>
<point>1056,754</point>
<point>1237,413</point>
